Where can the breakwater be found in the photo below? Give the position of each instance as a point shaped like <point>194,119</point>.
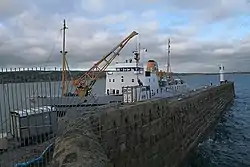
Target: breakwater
<point>154,133</point>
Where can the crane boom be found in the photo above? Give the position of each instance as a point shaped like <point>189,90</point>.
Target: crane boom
<point>85,82</point>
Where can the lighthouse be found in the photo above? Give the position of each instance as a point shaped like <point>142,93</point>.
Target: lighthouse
<point>222,80</point>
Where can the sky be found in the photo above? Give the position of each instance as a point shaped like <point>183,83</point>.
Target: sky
<point>203,33</point>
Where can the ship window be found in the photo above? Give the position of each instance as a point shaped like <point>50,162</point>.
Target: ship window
<point>157,91</point>
<point>133,80</point>
<point>129,69</point>
<point>113,91</point>
<point>121,69</point>
<point>149,80</point>
<point>122,80</point>
<point>109,80</point>
<point>147,74</point>
<point>125,69</point>
<point>113,80</point>
<point>117,91</point>
<point>121,76</point>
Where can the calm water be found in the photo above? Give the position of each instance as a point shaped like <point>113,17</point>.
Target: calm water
<point>227,146</point>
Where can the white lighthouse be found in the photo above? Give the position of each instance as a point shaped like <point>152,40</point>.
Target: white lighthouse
<point>222,80</point>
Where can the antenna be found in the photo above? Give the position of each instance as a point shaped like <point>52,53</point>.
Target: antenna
<point>168,59</point>
<point>64,63</point>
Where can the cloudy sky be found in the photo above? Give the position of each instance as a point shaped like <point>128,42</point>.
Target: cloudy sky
<point>203,33</point>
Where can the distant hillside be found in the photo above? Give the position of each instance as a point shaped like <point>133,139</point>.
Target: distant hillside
<point>37,76</point>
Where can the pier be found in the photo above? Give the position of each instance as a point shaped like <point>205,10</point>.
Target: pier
<point>161,131</point>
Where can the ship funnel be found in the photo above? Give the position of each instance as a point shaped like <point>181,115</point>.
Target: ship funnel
<point>152,66</point>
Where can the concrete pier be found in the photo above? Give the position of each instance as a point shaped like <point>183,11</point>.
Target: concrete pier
<point>145,134</point>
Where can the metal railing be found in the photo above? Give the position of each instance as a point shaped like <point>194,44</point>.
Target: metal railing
<point>31,104</point>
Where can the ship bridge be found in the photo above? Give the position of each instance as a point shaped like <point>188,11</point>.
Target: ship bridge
<point>122,74</point>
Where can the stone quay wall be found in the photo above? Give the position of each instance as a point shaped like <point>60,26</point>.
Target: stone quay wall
<point>158,133</point>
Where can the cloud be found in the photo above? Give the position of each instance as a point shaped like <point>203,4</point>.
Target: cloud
<point>9,8</point>
<point>93,5</point>
<point>203,34</point>
<point>225,9</point>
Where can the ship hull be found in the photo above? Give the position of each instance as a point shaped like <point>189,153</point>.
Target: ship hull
<point>75,101</point>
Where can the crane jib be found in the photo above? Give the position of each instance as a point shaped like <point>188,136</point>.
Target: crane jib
<point>84,87</point>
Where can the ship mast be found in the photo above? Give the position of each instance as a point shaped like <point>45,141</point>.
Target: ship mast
<point>64,63</point>
<point>137,53</point>
<point>138,59</point>
<point>168,61</point>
